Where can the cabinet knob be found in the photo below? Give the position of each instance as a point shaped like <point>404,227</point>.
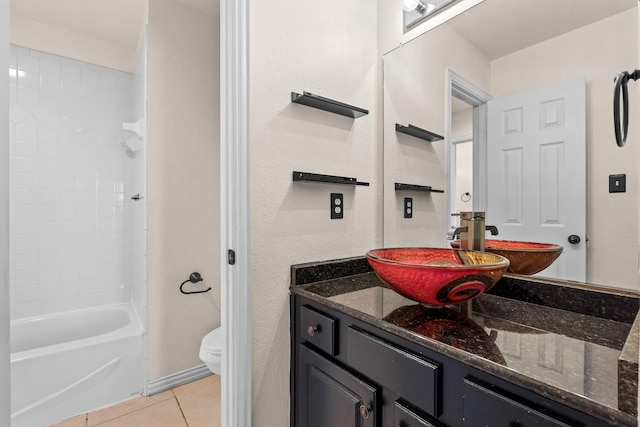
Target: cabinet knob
<point>365,410</point>
<point>311,330</point>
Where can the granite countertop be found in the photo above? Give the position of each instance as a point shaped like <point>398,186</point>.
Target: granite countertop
<point>577,345</point>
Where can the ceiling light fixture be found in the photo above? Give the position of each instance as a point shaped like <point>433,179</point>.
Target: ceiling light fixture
<point>417,5</point>
<point>416,11</point>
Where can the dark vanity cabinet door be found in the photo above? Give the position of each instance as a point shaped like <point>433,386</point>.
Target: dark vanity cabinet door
<point>406,416</point>
<point>329,396</point>
<point>486,406</point>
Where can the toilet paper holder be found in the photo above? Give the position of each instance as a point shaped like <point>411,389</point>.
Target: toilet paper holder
<point>194,277</point>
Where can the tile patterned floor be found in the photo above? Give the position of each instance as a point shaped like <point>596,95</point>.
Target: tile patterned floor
<point>196,404</point>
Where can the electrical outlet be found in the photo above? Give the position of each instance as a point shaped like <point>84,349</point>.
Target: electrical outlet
<point>618,183</point>
<point>337,206</point>
<point>408,207</point>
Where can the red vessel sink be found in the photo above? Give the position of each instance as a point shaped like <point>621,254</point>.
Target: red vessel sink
<point>524,257</point>
<point>437,276</point>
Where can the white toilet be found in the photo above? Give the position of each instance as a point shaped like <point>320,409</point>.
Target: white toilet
<point>210,351</point>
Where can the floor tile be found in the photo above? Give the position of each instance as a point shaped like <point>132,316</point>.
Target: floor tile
<point>200,401</point>
<point>79,421</point>
<point>164,414</point>
<point>120,409</point>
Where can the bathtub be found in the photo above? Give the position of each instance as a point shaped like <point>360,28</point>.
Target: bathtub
<point>69,363</point>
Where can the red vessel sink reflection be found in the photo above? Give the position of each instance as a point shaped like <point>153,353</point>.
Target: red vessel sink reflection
<point>524,257</point>
<point>437,276</point>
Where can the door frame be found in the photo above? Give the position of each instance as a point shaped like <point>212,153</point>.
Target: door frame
<point>459,87</point>
<point>5,376</point>
<point>235,280</point>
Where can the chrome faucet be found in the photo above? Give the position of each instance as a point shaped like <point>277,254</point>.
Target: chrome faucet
<point>472,230</point>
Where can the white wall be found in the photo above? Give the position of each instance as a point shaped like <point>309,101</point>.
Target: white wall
<point>595,52</point>
<point>48,38</point>
<point>183,198</point>
<point>328,49</point>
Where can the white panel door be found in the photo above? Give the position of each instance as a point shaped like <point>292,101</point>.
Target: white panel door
<point>537,171</point>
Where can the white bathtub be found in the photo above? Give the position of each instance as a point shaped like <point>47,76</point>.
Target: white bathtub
<point>69,363</point>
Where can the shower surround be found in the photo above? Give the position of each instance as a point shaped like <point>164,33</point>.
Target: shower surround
<point>77,239</point>
<point>68,175</point>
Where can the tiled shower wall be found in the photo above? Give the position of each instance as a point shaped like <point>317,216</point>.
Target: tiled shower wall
<point>67,181</point>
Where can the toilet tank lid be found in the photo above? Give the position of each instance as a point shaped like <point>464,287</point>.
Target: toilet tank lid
<point>212,342</point>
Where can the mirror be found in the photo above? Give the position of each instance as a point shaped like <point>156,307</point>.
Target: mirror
<point>503,49</point>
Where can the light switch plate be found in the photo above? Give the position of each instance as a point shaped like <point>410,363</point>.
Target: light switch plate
<point>618,183</point>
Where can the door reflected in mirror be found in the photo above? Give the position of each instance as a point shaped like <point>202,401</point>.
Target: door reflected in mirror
<point>541,45</point>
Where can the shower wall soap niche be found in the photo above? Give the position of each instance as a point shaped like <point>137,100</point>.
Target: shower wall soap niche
<point>132,134</point>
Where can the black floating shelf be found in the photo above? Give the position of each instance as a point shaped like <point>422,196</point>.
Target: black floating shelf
<point>418,132</point>
<point>327,104</point>
<point>413,187</point>
<point>328,179</point>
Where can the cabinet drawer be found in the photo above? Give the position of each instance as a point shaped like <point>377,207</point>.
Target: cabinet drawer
<point>483,405</point>
<point>318,329</point>
<point>407,417</point>
<point>412,377</point>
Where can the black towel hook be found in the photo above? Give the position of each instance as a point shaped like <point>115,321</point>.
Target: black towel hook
<point>621,128</point>
<point>193,278</point>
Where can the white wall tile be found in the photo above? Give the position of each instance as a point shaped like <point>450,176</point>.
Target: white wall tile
<point>28,96</point>
<point>26,149</point>
<point>47,198</point>
<point>68,174</point>
<point>28,309</point>
<point>26,294</point>
<point>50,66</point>
<point>71,70</point>
<point>24,229</point>
<point>48,276</point>
<point>24,198</point>
<point>25,133</point>
<point>48,306</point>
<point>28,63</point>
<point>26,246</point>
<point>26,278</point>
<point>28,79</point>
<point>71,88</point>
<point>51,84</point>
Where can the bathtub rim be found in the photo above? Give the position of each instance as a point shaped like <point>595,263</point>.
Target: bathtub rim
<point>133,328</point>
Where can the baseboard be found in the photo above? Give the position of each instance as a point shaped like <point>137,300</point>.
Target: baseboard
<point>174,380</point>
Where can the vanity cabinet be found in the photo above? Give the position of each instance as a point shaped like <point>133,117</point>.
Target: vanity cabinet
<point>349,372</point>
<point>333,396</point>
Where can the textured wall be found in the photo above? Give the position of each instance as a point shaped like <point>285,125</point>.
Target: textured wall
<point>183,202</point>
<point>38,35</point>
<point>332,54</point>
